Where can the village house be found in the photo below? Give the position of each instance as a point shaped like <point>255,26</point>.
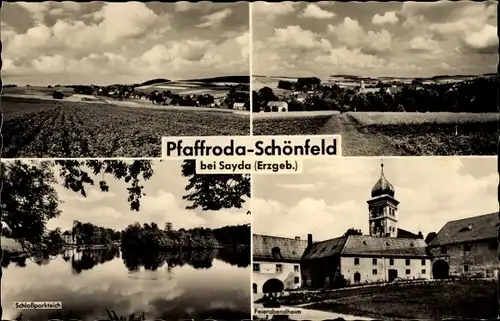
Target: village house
<point>278,106</point>
<point>466,247</point>
<point>67,238</point>
<point>239,106</point>
<point>276,258</point>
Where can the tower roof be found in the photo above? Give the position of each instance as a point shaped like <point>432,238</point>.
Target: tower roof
<point>383,186</point>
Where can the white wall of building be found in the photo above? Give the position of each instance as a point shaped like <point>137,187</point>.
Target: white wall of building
<point>289,274</point>
<point>366,267</point>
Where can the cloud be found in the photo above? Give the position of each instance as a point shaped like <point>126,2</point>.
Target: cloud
<point>215,18</point>
<point>389,17</point>
<point>266,9</point>
<point>299,187</point>
<point>85,43</point>
<point>408,39</point>
<point>433,192</point>
<point>314,11</point>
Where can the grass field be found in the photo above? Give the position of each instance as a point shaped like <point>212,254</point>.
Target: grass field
<point>396,134</point>
<point>396,118</point>
<point>459,300</point>
<point>38,128</point>
<point>289,126</point>
<point>186,88</point>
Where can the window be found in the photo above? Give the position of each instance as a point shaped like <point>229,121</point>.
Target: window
<point>408,272</point>
<point>424,271</point>
<point>356,261</point>
<point>254,287</point>
<point>279,268</point>
<point>467,247</point>
<point>391,262</point>
<point>407,261</point>
<point>466,268</point>
<point>296,280</point>
<point>374,261</point>
<point>423,262</point>
<point>296,268</point>
<point>256,267</point>
<point>443,250</point>
<point>374,272</point>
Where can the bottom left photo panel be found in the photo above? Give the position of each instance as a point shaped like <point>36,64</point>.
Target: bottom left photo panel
<point>123,240</point>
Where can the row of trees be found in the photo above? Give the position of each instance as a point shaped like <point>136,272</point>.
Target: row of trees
<point>474,95</point>
<point>151,237</point>
<point>30,200</point>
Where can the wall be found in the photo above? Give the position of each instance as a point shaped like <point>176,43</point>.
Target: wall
<point>320,272</point>
<point>268,271</point>
<point>481,259</point>
<point>366,267</point>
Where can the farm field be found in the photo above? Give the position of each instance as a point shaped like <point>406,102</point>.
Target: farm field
<point>37,128</point>
<point>186,87</point>
<point>36,90</point>
<point>459,300</point>
<point>397,134</point>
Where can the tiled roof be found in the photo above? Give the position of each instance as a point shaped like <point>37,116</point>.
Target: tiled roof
<point>383,246</point>
<point>290,249</point>
<point>325,248</point>
<point>367,246</point>
<point>467,230</point>
<point>407,234</point>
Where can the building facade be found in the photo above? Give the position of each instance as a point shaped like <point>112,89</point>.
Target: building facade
<point>466,247</point>
<point>276,258</point>
<point>386,254</point>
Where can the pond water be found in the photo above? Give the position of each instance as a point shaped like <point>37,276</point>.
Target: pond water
<point>167,286</point>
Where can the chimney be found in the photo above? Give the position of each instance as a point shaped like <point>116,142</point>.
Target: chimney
<point>309,240</point>
<point>420,235</point>
<point>297,238</point>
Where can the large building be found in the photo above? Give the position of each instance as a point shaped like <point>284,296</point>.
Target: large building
<point>466,247</point>
<point>387,253</point>
<point>276,258</point>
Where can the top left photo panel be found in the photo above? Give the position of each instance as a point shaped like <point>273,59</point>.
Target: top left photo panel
<point>105,80</point>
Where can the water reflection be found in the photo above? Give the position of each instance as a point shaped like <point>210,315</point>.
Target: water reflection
<point>168,286</point>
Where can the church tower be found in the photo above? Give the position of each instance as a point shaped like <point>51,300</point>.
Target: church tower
<point>382,208</point>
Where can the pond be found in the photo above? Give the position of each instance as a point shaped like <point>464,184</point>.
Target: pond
<point>167,286</point>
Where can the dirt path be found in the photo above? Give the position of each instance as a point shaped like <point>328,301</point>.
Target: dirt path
<point>355,140</point>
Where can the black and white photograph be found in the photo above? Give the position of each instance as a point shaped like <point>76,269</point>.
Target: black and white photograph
<point>393,78</point>
<point>366,238</point>
<point>124,240</point>
<point>101,79</point>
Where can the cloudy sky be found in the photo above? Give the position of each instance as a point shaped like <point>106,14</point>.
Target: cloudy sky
<point>106,43</point>
<point>412,39</point>
<point>163,203</point>
<point>330,196</point>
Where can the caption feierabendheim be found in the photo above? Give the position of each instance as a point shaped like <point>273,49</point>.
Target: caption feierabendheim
<point>250,154</point>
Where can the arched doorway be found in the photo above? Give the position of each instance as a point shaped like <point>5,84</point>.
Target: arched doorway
<point>254,288</point>
<point>357,277</point>
<point>440,270</point>
<point>273,286</point>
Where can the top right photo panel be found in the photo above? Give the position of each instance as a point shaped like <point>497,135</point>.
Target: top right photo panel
<point>393,79</point>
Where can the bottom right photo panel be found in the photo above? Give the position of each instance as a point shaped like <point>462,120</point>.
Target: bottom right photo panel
<point>377,238</point>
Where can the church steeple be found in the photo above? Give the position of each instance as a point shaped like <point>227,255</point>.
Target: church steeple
<point>383,186</point>
<point>382,207</point>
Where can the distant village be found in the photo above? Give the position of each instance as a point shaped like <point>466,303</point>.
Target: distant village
<point>235,96</point>
<point>367,94</point>
<point>464,248</point>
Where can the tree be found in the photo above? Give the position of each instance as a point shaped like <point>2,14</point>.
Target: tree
<point>215,192</point>
<point>29,199</point>
<point>265,95</point>
<point>431,236</point>
<point>353,231</point>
